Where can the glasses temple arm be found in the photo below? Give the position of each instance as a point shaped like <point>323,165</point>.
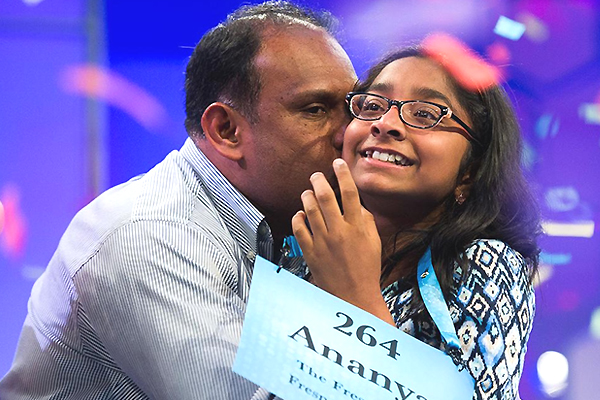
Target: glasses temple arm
<point>469,131</point>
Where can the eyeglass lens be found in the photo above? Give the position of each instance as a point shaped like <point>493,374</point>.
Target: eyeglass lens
<point>369,107</point>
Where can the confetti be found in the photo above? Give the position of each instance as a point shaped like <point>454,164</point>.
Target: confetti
<point>100,83</point>
<point>595,324</point>
<point>498,53</point>
<point>562,198</point>
<point>469,70</point>
<point>590,113</point>
<point>1,216</point>
<point>583,229</point>
<point>546,126</point>
<point>14,234</point>
<point>509,29</point>
<point>535,29</point>
<point>555,259</point>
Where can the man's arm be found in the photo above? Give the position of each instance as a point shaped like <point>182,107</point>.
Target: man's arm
<point>162,299</point>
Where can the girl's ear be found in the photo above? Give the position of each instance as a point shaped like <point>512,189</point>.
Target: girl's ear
<point>224,128</point>
<point>461,192</point>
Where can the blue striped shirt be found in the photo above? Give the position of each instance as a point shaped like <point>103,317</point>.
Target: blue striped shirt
<point>146,293</point>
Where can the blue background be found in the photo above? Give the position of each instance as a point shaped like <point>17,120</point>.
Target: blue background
<point>60,147</point>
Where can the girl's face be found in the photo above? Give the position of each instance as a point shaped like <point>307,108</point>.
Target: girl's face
<point>424,169</point>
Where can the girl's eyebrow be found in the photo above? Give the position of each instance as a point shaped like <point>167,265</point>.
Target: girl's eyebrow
<point>429,93</point>
<point>381,87</point>
<point>423,93</point>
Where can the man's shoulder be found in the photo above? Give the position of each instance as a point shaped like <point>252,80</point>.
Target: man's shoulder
<point>168,198</point>
<point>167,192</point>
<point>171,191</point>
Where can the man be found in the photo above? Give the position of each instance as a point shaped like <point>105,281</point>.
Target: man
<point>145,296</point>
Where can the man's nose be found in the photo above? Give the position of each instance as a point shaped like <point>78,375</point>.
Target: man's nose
<point>338,135</point>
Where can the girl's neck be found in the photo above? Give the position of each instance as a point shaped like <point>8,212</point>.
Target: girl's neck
<point>398,233</point>
<point>389,226</point>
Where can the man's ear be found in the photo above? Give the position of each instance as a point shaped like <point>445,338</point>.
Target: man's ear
<point>223,127</point>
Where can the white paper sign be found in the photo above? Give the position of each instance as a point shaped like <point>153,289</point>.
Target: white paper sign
<point>300,342</point>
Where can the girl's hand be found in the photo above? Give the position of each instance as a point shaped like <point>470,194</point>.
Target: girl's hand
<point>343,251</point>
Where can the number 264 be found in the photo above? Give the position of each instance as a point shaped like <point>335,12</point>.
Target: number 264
<point>365,337</point>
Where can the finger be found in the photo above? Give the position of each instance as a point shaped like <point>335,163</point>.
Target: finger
<point>348,191</point>
<point>325,196</point>
<point>313,213</point>
<point>302,233</point>
<point>369,222</point>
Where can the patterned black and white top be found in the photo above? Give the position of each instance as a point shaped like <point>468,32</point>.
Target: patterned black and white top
<point>492,310</point>
<point>146,294</point>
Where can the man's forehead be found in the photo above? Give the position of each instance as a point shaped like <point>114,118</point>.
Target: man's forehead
<point>296,52</point>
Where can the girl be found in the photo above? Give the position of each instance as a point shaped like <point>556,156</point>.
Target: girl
<point>438,167</point>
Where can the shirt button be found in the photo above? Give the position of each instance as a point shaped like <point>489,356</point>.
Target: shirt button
<point>263,230</point>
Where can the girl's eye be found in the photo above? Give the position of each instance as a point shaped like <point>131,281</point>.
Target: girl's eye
<point>425,114</point>
<point>421,114</point>
<point>371,106</point>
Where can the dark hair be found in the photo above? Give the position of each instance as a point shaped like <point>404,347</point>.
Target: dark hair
<point>221,67</point>
<point>500,204</point>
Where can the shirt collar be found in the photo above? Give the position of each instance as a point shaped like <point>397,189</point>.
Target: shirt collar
<point>240,216</point>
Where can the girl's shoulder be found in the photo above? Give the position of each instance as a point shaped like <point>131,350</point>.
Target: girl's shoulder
<point>492,256</point>
<point>496,275</point>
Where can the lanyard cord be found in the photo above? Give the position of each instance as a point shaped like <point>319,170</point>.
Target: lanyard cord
<point>432,296</point>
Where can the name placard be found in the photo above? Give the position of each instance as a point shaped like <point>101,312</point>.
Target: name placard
<point>300,342</point>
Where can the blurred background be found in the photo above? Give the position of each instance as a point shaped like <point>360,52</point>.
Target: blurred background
<point>92,95</point>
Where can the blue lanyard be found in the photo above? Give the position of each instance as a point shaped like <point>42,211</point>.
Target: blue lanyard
<point>291,248</point>
<point>432,296</point>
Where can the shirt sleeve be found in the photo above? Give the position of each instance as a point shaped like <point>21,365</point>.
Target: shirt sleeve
<point>162,300</point>
<point>493,312</point>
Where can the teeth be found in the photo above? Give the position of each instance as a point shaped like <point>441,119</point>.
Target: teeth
<point>385,157</point>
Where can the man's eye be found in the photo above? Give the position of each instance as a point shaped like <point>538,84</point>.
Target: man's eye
<point>315,110</point>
